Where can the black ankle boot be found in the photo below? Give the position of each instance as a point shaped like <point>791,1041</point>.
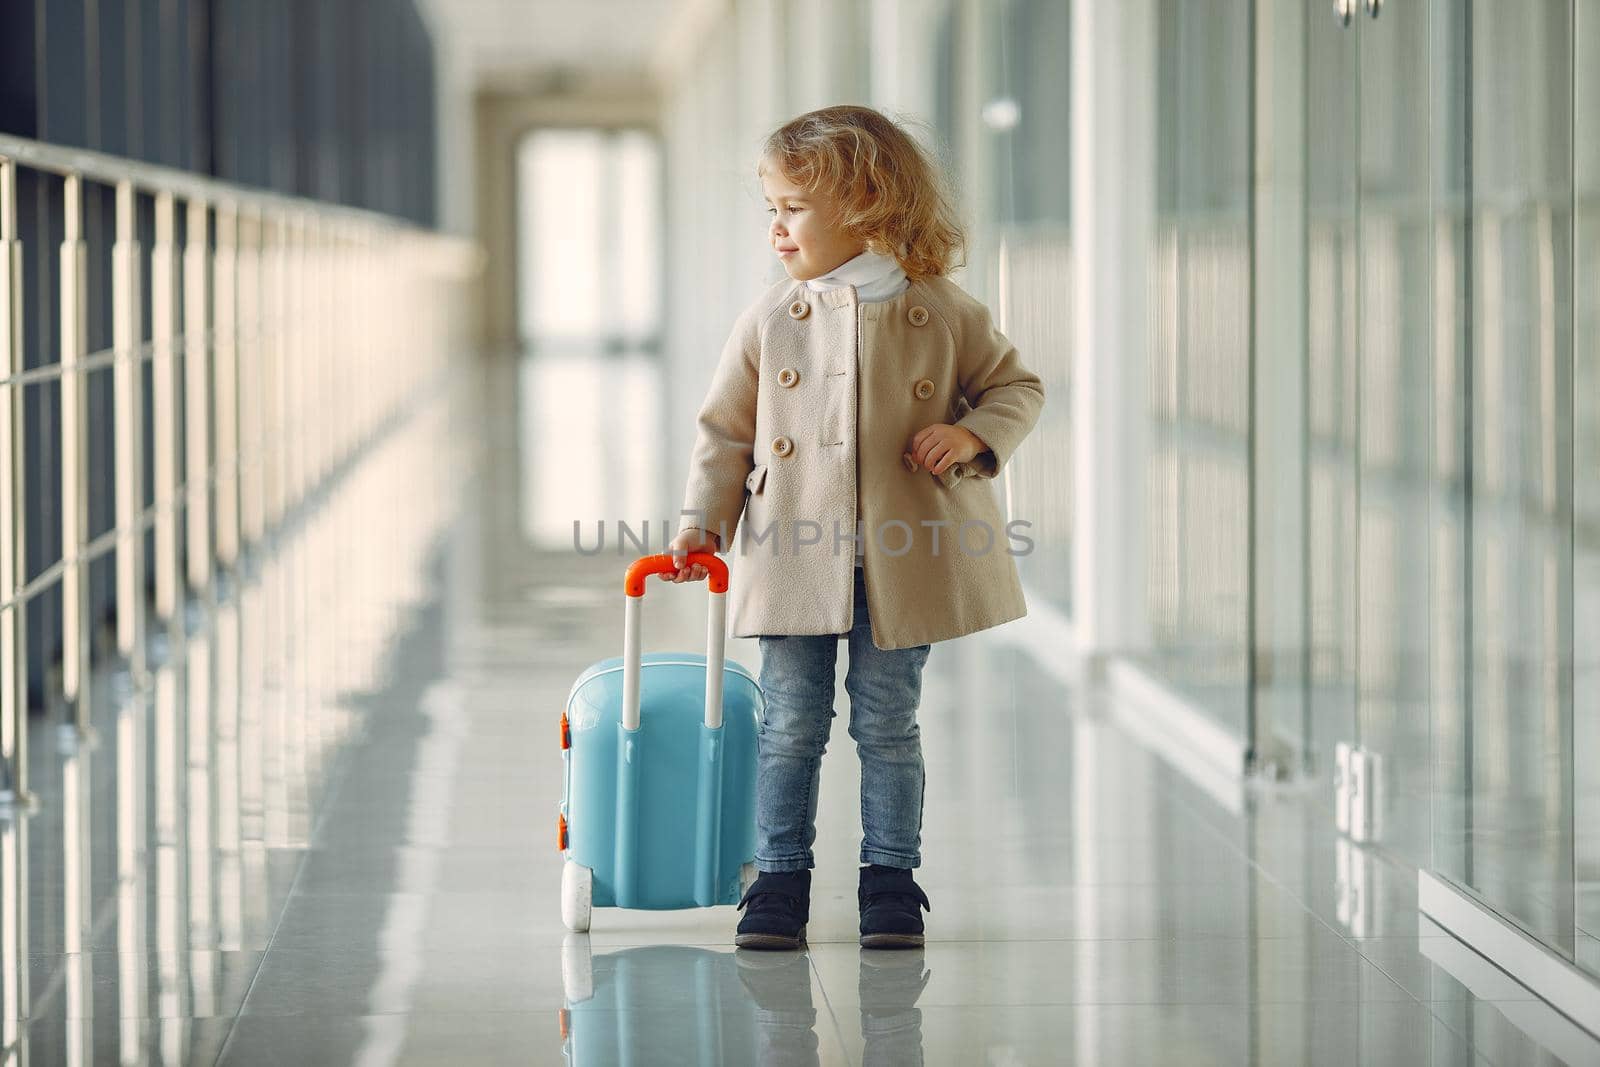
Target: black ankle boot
<point>890,900</point>
<point>779,906</point>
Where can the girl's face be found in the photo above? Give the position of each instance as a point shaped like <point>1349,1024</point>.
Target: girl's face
<point>804,231</point>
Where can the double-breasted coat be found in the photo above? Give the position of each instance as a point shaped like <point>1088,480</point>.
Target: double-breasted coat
<point>813,402</point>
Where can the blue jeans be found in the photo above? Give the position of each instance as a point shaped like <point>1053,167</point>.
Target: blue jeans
<point>797,673</point>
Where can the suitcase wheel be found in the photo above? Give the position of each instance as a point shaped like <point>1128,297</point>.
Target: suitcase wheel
<point>577,885</point>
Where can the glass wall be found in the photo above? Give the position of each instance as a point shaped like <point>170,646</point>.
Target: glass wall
<point>1586,483</point>
<point>1396,229</point>
<point>1330,348</point>
<point>1020,261</point>
<point>1197,479</point>
<point>1452,427</point>
<point>1503,714</point>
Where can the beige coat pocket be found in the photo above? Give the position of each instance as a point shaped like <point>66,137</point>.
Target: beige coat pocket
<point>952,475</point>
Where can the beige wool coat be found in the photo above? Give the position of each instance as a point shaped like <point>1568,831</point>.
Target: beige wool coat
<point>814,400</point>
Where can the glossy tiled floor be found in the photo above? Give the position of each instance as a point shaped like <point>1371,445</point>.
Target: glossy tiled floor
<point>248,866</point>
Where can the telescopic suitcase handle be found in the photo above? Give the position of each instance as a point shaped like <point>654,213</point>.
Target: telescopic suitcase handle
<point>716,615</point>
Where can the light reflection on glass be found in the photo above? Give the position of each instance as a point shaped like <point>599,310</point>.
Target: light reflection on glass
<point>77,902</point>
<point>589,427</point>
<point>168,791</point>
<point>297,786</point>
<point>230,832</point>
<point>273,705</point>
<point>255,701</point>
<point>428,810</point>
<point>316,616</point>
<point>1586,502</point>
<point>1035,312</point>
<point>199,854</point>
<point>1084,821</point>
<point>131,860</point>
<point>13,929</point>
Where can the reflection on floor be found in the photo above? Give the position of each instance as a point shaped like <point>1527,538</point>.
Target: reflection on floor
<point>252,864</point>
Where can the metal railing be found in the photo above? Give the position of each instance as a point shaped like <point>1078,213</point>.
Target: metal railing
<point>283,335</point>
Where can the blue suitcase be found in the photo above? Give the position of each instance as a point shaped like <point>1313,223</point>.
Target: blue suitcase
<point>659,763</point>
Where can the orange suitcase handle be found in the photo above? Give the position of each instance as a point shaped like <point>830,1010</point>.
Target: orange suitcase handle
<point>645,566</point>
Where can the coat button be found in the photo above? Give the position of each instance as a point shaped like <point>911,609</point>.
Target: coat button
<point>918,315</point>
<point>924,389</point>
<point>799,309</point>
<point>910,464</point>
<point>788,376</point>
<point>782,446</point>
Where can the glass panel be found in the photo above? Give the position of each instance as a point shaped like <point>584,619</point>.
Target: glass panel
<point>1023,113</point>
<point>1517,748</point>
<point>1395,264</point>
<point>1449,576</point>
<point>562,229</point>
<point>1586,486</point>
<point>588,256</point>
<point>1197,576</point>
<point>600,412</point>
<point>1024,260</point>
<point>1330,354</point>
<point>637,256</point>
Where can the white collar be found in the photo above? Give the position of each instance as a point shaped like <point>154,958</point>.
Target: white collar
<point>875,276</point>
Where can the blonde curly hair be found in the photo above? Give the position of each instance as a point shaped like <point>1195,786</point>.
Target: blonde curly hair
<point>888,192</point>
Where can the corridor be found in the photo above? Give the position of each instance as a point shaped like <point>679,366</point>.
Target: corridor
<point>352,351</point>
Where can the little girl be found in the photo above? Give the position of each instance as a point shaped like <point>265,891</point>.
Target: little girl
<point>868,392</point>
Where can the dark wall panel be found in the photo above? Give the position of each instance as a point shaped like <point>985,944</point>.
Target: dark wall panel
<point>63,74</point>
<point>109,131</point>
<point>19,90</point>
<point>332,101</point>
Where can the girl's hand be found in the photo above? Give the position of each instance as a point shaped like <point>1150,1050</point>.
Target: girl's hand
<point>938,446</point>
<point>690,540</point>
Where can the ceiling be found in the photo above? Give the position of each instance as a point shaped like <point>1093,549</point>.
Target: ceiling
<point>555,46</point>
